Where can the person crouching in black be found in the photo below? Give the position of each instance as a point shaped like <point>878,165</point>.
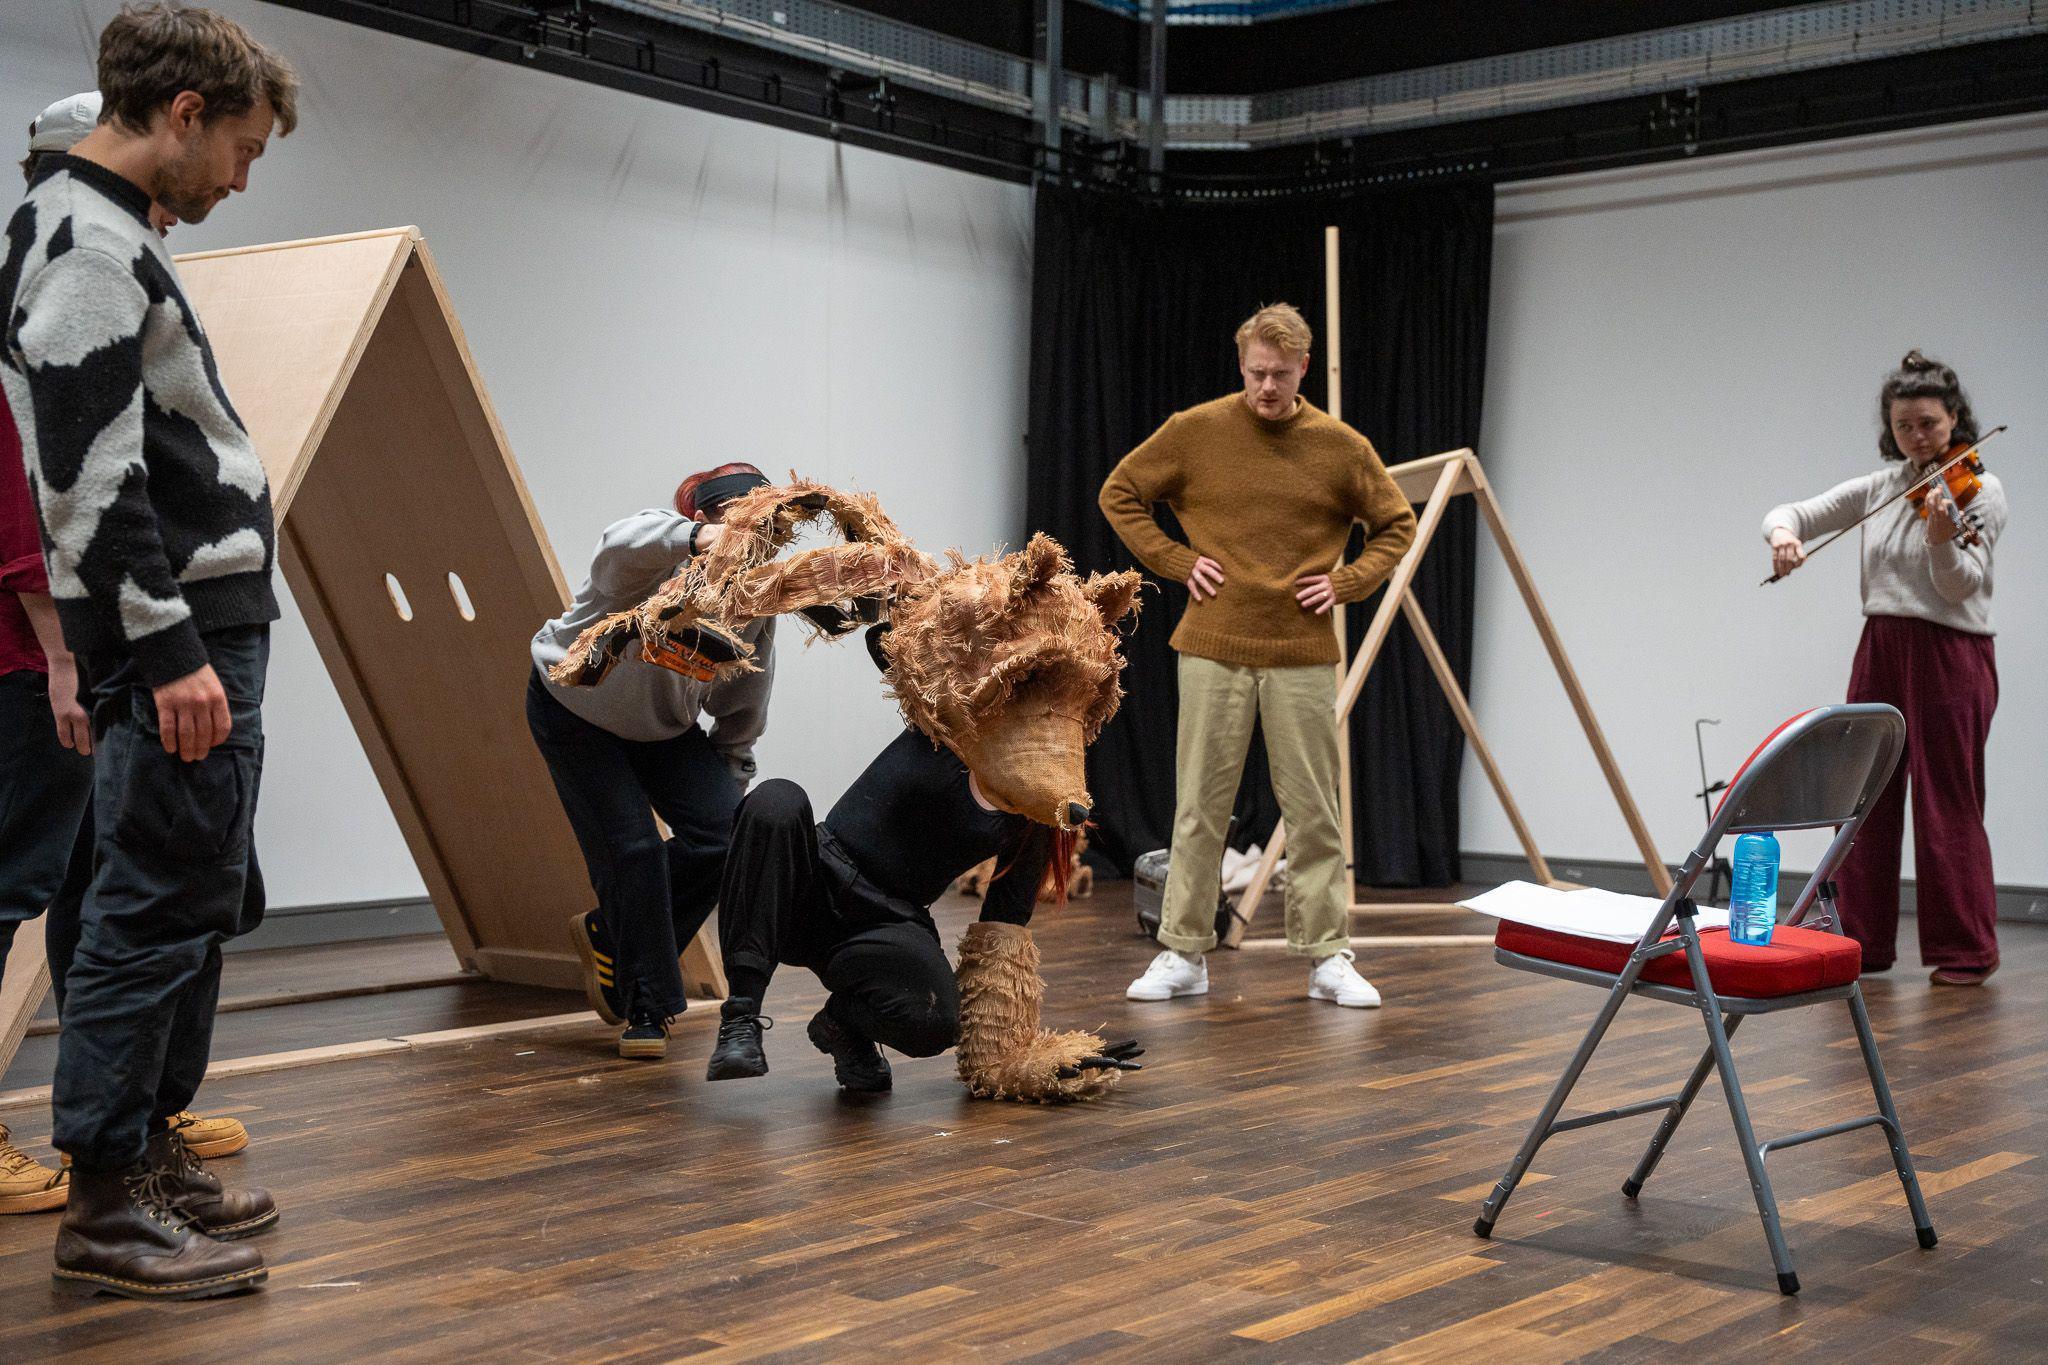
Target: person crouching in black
<point>1005,669</point>
<point>797,893</point>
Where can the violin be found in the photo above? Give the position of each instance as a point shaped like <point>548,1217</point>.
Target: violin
<point>1950,486</point>
<point>1951,495</point>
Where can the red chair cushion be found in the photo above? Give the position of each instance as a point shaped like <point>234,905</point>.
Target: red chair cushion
<point>1795,960</point>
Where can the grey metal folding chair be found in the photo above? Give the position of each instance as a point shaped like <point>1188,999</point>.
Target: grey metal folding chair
<point>1823,768</point>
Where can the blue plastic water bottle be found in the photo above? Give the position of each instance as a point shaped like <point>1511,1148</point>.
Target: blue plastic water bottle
<point>1753,897</point>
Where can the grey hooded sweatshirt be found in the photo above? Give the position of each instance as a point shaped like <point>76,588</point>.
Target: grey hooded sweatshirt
<point>643,701</point>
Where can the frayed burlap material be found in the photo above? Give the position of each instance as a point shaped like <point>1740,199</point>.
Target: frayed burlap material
<point>1012,663</point>
<point>740,579</point>
<point>1003,1053</point>
<point>1009,661</point>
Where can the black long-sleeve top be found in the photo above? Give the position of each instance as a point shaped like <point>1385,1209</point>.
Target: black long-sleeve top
<point>909,827</point>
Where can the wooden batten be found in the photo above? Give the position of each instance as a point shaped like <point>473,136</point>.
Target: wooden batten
<point>1434,481</point>
<point>1417,478</point>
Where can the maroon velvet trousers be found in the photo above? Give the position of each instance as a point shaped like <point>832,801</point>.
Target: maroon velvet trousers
<point>1945,681</point>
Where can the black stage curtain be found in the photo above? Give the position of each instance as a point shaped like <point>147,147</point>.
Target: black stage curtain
<point>1133,310</point>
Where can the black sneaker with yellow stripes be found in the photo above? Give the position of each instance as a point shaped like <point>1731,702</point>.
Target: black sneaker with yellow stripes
<point>645,1039</point>
<point>600,981</point>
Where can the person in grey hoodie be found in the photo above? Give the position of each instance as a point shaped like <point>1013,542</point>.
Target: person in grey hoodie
<point>635,747</point>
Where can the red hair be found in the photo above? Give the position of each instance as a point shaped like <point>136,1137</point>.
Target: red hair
<point>686,491</point>
<point>1059,871</point>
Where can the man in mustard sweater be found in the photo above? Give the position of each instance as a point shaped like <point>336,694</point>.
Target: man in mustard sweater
<point>1267,488</point>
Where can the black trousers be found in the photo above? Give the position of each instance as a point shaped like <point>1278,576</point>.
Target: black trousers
<point>60,930</point>
<point>45,794</point>
<point>786,900</point>
<point>652,895</point>
<point>174,875</point>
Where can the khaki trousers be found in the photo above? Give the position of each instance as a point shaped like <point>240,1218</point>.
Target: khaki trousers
<point>1218,703</point>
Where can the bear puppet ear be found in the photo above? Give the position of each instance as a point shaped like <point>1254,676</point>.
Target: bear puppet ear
<point>1036,564</point>
<point>1115,595</point>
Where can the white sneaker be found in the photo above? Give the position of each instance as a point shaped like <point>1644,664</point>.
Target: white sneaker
<point>1171,974</point>
<point>1334,978</point>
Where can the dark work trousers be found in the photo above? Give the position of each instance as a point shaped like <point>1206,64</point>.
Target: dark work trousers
<point>174,876</point>
<point>60,930</point>
<point>652,895</point>
<point>78,880</point>
<point>1945,682</point>
<point>45,791</point>
<point>787,900</point>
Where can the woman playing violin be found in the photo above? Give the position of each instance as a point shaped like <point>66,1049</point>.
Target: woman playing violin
<point>1926,649</point>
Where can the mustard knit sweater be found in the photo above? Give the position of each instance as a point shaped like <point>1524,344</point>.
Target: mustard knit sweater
<point>1270,501</point>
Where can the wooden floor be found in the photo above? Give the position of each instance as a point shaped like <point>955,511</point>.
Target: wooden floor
<point>1286,1181</point>
<point>390,967</point>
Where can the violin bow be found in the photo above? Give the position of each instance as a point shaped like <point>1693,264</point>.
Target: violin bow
<point>1906,492</point>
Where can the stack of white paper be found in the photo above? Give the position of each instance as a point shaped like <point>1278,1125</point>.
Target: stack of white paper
<point>1589,913</point>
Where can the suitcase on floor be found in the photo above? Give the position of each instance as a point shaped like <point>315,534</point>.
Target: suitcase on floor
<point>1148,894</point>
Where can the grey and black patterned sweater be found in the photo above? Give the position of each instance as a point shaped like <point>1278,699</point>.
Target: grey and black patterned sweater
<point>155,509</point>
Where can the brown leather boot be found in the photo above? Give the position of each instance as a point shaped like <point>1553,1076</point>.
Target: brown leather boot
<point>223,1214</point>
<point>122,1235</point>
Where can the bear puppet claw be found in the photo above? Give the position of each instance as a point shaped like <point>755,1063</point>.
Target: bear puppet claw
<point>1003,1053</point>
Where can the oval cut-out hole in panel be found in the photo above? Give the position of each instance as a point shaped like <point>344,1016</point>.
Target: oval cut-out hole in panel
<point>460,593</point>
<point>398,599</point>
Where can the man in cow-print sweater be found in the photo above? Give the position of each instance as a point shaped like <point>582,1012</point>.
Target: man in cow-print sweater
<point>156,528</point>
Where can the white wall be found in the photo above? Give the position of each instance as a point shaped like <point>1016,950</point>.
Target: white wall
<point>1675,350</point>
<point>648,290</point>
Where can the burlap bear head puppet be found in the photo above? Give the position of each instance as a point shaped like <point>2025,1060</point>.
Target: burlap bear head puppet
<point>1010,661</point>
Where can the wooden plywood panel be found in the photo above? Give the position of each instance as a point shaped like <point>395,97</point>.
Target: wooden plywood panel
<point>396,489</point>
<point>345,361</point>
<point>22,987</point>
<point>408,475</point>
<point>287,323</point>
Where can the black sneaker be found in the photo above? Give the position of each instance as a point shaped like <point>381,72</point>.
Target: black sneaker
<point>645,1038</point>
<point>858,1063</point>
<point>738,1053</point>
<point>600,983</point>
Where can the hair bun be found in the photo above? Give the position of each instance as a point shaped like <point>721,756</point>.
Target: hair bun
<point>1916,363</point>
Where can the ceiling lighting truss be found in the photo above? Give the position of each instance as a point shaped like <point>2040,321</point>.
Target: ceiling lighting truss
<point>1226,12</point>
<point>1770,43</point>
<point>1776,42</point>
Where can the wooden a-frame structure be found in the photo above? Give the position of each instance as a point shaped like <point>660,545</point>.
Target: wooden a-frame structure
<point>412,548</point>
<point>1433,482</point>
